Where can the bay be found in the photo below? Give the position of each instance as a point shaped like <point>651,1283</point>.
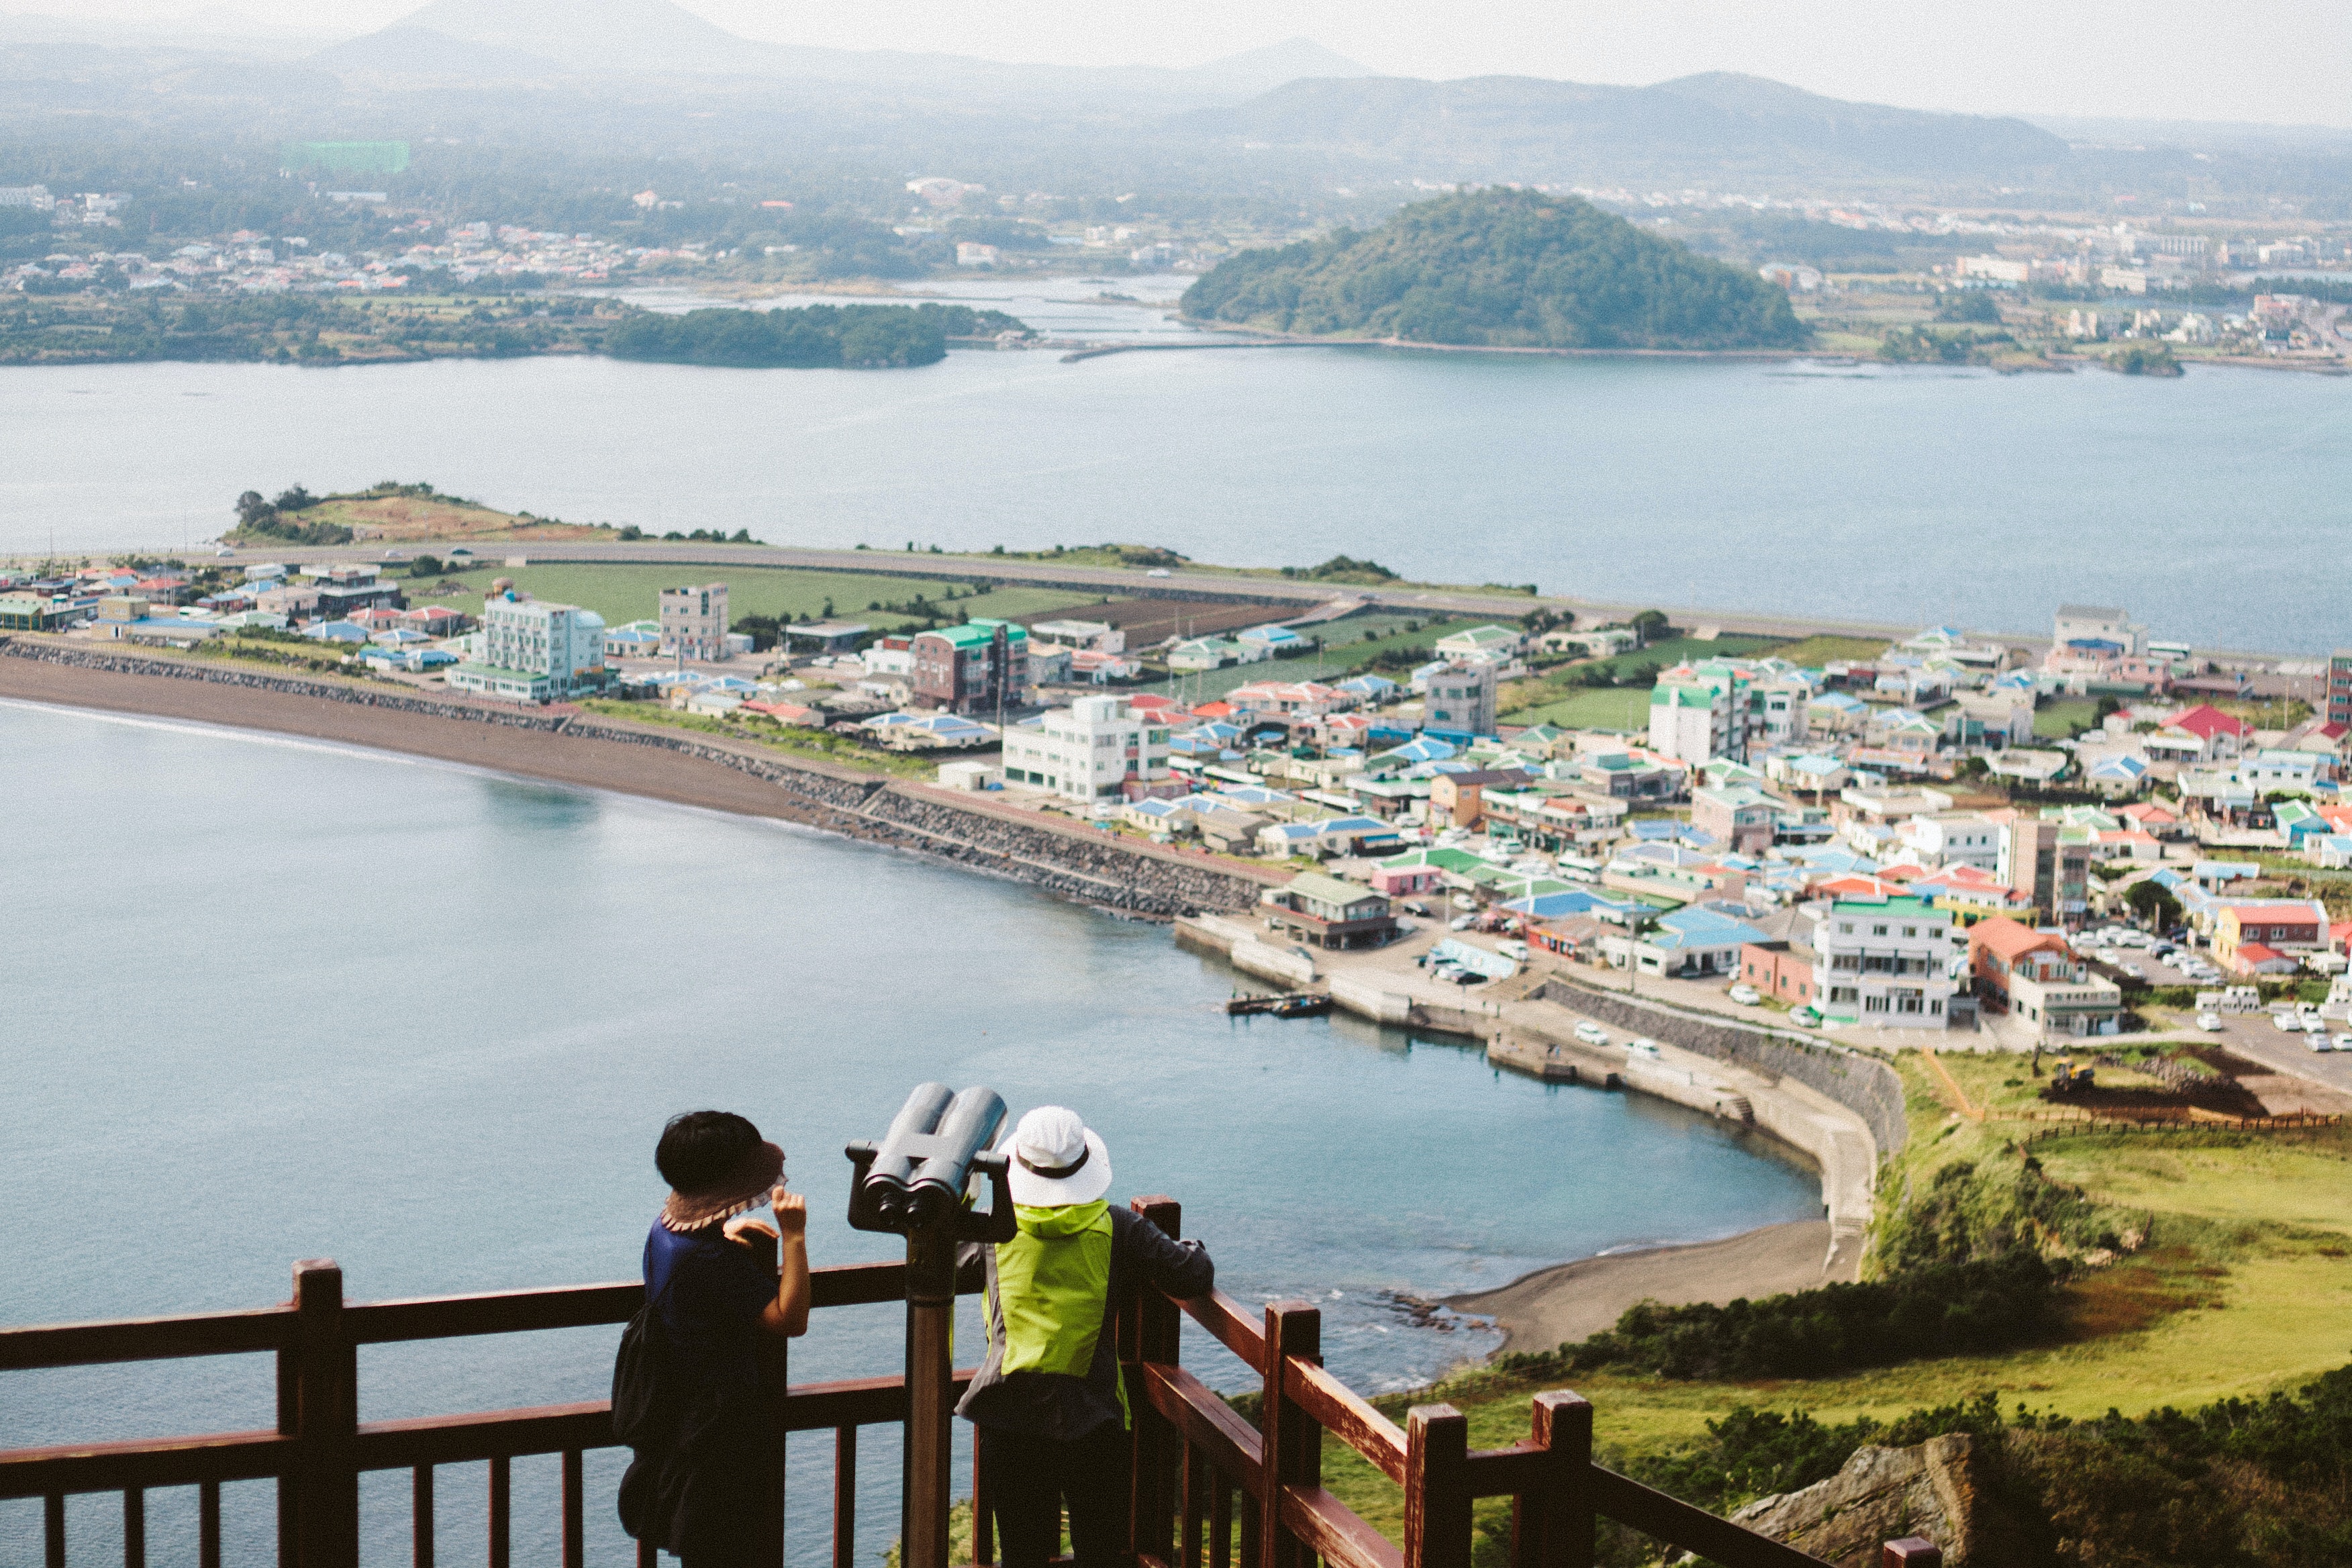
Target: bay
<point>1902,494</point>
<point>268,999</point>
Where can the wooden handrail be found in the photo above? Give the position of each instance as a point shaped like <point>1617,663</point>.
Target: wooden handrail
<point>1230,1327</point>
<point>1692,1529</point>
<point>1206,1421</point>
<point>1348,1415</point>
<point>143,1462</point>
<point>1331,1531</point>
<point>145,1339</point>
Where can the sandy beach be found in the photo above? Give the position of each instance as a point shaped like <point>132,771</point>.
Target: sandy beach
<point>1572,1302</point>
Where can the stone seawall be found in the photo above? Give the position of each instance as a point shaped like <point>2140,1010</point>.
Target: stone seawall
<point>1083,865</point>
<point>1863,1085</point>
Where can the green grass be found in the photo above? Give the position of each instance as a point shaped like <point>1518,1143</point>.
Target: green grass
<point>1339,660</point>
<point>1816,651</point>
<point>2066,718</point>
<point>1596,708</point>
<point>2243,1287</point>
<point>633,593</point>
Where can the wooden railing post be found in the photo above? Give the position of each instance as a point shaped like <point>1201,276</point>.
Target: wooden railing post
<point>1911,1551</point>
<point>326,1420</point>
<point>1292,1442</point>
<point>1552,1528</point>
<point>1148,1327</point>
<point>1436,1487</point>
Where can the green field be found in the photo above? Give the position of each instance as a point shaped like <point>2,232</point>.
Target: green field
<point>625,593</point>
<point>1624,708</point>
<point>2064,718</point>
<point>1338,661</point>
<point>2241,1287</point>
<point>1816,651</point>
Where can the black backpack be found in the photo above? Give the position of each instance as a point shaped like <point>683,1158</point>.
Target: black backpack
<point>645,1397</point>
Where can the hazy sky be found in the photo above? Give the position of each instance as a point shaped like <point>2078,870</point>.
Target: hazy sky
<point>2280,62</point>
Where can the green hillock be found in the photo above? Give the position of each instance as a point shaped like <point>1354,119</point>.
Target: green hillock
<point>1500,268</point>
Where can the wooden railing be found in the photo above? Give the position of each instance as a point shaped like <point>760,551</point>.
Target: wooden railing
<point>1208,1486</point>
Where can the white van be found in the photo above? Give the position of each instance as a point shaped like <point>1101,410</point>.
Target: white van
<point>1592,1034</point>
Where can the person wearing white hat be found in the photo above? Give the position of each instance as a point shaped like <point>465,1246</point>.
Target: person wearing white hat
<point>1048,1405</point>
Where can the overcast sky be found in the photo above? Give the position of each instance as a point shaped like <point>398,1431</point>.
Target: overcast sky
<point>2277,61</point>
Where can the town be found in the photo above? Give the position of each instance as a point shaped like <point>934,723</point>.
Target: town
<point>2103,835</point>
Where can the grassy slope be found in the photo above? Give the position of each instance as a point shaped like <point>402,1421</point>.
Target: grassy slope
<point>2244,1288</point>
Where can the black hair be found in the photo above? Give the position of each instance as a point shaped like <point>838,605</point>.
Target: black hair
<point>700,1149</point>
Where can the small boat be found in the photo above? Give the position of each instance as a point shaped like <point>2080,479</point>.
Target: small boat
<point>1299,1005</point>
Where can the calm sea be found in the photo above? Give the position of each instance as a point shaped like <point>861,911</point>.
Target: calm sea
<point>2208,506</point>
<point>267,999</point>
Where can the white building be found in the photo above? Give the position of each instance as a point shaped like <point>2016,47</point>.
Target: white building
<point>1884,962</point>
<point>1460,698</point>
<point>2091,622</point>
<point>1094,636</point>
<point>1091,751</point>
<point>694,621</point>
<point>530,651</point>
<point>1950,838</point>
<point>1694,723</point>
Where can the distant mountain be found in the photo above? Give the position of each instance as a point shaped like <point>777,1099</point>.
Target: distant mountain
<point>1500,268</point>
<point>1525,128</point>
<point>405,51</point>
<point>590,34</point>
<point>1258,71</point>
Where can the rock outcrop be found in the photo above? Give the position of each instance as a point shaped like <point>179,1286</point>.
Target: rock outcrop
<point>1941,1489</point>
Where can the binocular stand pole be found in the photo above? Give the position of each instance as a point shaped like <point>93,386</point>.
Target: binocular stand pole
<point>930,1389</point>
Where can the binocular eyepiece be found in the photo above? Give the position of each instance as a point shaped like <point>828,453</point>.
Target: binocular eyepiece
<point>915,1180</point>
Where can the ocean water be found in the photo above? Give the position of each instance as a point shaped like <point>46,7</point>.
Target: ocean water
<point>268,999</point>
<point>1907,494</point>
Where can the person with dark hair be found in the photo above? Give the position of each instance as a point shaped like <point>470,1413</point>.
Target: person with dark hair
<point>714,1283</point>
<point>1048,1405</point>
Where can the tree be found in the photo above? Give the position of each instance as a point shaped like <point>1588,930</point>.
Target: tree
<point>424,566</point>
<point>1649,625</point>
<point>251,509</point>
<point>2153,903</point>
<point>294,499</point>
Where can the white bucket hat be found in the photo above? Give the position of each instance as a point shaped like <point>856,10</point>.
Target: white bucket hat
<point>1058,1159</point>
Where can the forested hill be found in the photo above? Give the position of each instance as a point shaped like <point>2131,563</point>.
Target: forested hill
<point>1500,268</point>
<point>805,336</point>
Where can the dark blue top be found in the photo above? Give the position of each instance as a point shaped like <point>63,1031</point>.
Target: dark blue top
<point>711,1292</point>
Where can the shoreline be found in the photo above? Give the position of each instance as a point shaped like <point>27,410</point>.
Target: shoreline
<point>1562,1304</point>
<point>564,746</point>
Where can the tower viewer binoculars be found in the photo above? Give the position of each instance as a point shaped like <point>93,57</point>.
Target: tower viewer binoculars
<point>916,1179</point>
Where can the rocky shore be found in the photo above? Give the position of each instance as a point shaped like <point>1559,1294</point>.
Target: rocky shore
<point>1072,862</point>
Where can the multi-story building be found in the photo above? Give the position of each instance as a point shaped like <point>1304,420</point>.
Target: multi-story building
<point>2034,865</point>
<point>1461,698</point>
<point>976,668</point>
<point>2098,623</point>
<point>2034,975</point>
<point>1741,820</point>
<point>1690,723</point>
<point>534,651</point>
<point>1776,711</point>
<point>1096,749</point>
<point>2339,687</point>
<point>694,621</point>
<point>1884,961</point>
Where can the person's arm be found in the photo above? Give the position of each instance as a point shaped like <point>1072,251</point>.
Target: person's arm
<point>1179,1269</point>
<point>787,1315</point>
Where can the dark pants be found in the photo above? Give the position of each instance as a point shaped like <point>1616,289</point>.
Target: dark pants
<point>1029,1479</point>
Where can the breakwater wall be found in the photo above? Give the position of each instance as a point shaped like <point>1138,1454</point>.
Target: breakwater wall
<point>1863,1084</point>
<point>1078,864</point>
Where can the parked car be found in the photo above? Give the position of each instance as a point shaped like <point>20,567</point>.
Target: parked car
<point>1517,951</point>
<point>1805,1018</point>
<point>1592,1034</point>
<point>1644,1049</point>
<point>1160,572</point>
<point>2286,1023</point>
<point>2343,1042</point>
<point>1745,995</point>
<point>1462,922</point>
<point>2210,1022</point>
<point>2318,1042</point>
